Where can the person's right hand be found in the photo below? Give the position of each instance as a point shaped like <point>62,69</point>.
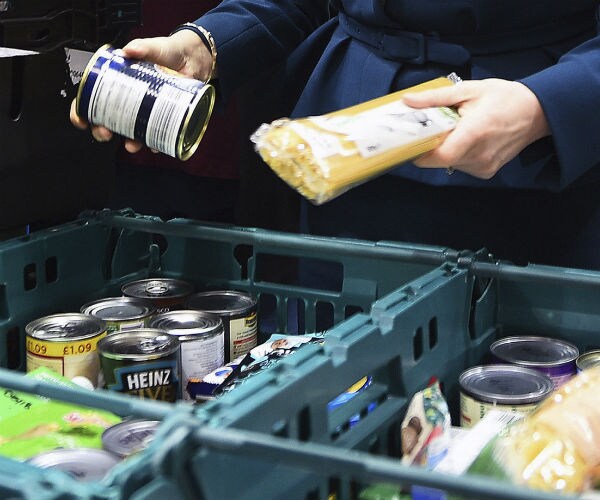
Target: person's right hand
<point>183,52</point>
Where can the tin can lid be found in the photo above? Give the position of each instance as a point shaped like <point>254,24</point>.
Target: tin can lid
<point>85,464</point>
<point>534,351</point>
<point>138,344</point>
<point>588,359</point>
<point>156,288</point>
<point>188,322</point>
<point>68,326</point>
<point>505,384</point>
<point>129,437</point>
<point>119,308</point>
<point>222,302</point>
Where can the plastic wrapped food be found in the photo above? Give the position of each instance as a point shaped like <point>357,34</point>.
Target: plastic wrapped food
<point>324,156</point>
<point>555,448</point>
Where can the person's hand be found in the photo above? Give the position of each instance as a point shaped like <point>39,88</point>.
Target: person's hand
<point>498,119</point>
<point>183,52</point>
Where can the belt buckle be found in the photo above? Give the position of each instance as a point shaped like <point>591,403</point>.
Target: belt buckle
<point>397,41</point>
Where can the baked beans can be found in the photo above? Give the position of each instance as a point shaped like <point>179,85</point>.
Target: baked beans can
<point>164,293</point>
<point>121,313</point>
<point>553,357</point>
<point>141,363</point>
<point>67,344</point>
<point>139,100</point>
<point>201,343</point>
<point>129,437</point>
<point>84,464</point>
<point>588,360</point>
<point>238,310</point>
<point>509,388</point>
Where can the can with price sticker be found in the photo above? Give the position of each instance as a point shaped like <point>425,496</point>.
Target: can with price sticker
<point>159,107</point>
<point>66,343</point>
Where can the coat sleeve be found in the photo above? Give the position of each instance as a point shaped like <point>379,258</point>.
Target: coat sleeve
<point>254,35</point>
<point>569,93</point>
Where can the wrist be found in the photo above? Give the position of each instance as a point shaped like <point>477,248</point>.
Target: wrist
<point>205,50</point>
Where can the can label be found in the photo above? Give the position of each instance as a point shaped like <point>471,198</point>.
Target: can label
<point>199,358</point>
<point>155,380</point>
<point>243,335</point>
<point>473,410</point>
<point>122,326</point>
<point>70,359</point>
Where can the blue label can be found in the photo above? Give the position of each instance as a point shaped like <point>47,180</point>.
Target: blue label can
<point>139,100</point>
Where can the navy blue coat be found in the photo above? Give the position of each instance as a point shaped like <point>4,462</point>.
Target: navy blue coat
<point>374,47</point>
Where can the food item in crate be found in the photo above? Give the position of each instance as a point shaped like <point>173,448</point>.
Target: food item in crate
<point>66,343</point>
<point>324,156</point>
<point>363,384</point>
<point>33,424</point>
<point>120,313</point>
<point>201,343</point>
<point>238,310</point>
<point>553,357</point>
<point>129,437</point>
<point>84,464</point>
<point>165,293</point>
<point>555,448</point>
<point>503,387</point>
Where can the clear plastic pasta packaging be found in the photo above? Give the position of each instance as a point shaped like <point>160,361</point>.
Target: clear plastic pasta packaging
<point>324,156</point>
<point>555,448</point>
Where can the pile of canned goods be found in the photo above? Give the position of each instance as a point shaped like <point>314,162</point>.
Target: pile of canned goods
<point>148,342</point>
<point>525,371</point>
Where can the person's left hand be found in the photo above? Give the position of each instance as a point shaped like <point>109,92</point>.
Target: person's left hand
<point>499,118</point>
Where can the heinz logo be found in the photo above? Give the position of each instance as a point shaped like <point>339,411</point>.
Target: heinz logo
<point>143,380</point>
<point>156,380</point>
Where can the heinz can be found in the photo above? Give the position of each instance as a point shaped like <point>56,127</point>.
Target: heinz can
<point>143,101</point>
<point>84,464</point>
<point>164,293</point>
<point>506,388</point>
<point>121,313</point>
<point>238,310</point>
<point>588,360</point>
<point>201,343</point>
<point>129,437</point>
<point>142,363</point>
<point>67,344</point>
<point>553,357</point>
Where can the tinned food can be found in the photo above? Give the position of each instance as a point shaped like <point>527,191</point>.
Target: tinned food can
<point>201,343</point>
<point>143,101</point>
<point>588,360</point>
<point>553,357</point>
<point>121,313</point>
<point>129,437</point>
<point>164,293</point>
<point>508,388</point>
<point>84,464</point>
<point>238,310</point>
<point>67,344</point>
<point>141,363</point>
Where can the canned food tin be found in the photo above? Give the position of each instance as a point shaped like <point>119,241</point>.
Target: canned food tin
<point>121,313</point>
<point>141,362</point>
<point>164,293</point>
<point>201,343</point>
<point>129,437</point>
<point>84,464</point>
<point>553,357</point>
<point>139,100</point>
<point>238,310</point>
<point>66,343</point>
<point>588,360</point>
<point>507,388</point>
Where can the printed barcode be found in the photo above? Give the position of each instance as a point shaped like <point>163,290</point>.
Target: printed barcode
<point>115,102</point>
<point>165,119</point>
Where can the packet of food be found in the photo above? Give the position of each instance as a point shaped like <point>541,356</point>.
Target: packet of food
<point>31,424</point>
<point>324,156</point>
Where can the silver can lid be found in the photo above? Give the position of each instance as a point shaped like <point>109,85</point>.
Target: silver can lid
<point>156,288</point>
<point>529,350</point>
<point>222,302</point>
<point>588,359</point>
<point>119,308</point>
<point>129,437</point>
<point>84,464</point>
<point>505,384</point>
<point>68,326</point>
<point>185,322</point>
<point>138,344</point>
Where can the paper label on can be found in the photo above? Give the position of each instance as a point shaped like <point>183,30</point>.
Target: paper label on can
<point>121,326</point>
<point>243,335</point>
<point>199,358</point>
<point>472,410</point>
<point>154,380</point>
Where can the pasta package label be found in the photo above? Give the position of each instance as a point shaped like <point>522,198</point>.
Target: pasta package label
<point>325,156</point>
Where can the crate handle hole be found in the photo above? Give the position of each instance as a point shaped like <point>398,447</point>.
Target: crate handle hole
<point>433,332</point>
<point>51,269</point>
<point>418,344</point>
<point>29,277</point>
